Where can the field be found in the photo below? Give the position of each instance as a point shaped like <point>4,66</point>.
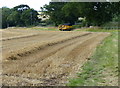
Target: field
<point>34,57</point>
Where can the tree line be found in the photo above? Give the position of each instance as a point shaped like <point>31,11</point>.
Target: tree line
<point>21,15</point>
<point>95,13</point>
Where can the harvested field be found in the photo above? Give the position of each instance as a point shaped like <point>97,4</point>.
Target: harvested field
<point>32,57</point>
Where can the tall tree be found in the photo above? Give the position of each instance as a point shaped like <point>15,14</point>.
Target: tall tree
<point>13,19</point>
<point>96,13</point>
<point>5,13</point>
<point>55,12</point>
<point>21,15</point>
<point>62,12</point>
<point>29,17</point>
<point>71,12</point>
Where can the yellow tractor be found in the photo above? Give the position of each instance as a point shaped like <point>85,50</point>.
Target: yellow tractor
<point>65,27</point>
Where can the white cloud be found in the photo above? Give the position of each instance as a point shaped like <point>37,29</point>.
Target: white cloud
<point>35,4</point>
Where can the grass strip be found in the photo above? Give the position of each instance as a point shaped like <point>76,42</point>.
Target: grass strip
<point>102,68</point>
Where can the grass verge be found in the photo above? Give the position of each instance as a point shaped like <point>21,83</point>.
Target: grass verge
<point>98,30</point>
<point>45,28</point>
<point>36,28</point>
<point>102,68</point>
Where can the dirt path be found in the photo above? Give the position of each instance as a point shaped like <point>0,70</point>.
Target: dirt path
<point>49,58</point>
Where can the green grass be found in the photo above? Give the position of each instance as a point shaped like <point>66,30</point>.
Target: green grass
<point>37,28</point>
<point>103,64</point>
<point>44,28</point>
<point>97,30</point>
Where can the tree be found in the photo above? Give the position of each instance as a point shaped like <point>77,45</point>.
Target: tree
<point>71,12</point>
<point>55,12</point>
<point>29,17</point>
<point>96,13</point>
<point>62,12</point>
<point>5,13</point>
<point>14,19</point>
<point>20,15</point>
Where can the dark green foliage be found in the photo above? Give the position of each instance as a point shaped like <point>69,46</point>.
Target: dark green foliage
<point>13,19</point>
<point>5,13</point>
<point>96,13</point>
<point>61,12</point>
<point>20,15</point>
<point>55,13</point>
<point>29,17</point>
<point>71,12</point>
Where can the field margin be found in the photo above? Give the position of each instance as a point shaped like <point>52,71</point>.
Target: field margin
<point>102,67</point>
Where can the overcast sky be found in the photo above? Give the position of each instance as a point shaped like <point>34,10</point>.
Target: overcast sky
<point>35,4</point>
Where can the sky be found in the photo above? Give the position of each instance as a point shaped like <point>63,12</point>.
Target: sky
<point>35,4</point>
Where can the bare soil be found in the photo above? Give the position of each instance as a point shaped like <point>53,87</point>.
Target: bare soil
<point>32,57</point>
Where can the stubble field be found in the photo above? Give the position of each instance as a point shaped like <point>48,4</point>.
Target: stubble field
<point>33,57</point>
